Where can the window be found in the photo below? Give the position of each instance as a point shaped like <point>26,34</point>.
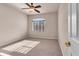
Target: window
<point>38,25</point>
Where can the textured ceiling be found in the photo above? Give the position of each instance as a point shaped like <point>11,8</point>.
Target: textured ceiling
<point>46,8</point>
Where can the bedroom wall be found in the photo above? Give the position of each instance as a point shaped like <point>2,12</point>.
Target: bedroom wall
<point>13,24</point>
<point>51,26</point>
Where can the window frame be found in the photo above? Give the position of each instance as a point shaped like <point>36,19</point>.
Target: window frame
<point>38,25</point>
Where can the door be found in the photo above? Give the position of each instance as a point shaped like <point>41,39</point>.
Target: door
<point>73,28</point>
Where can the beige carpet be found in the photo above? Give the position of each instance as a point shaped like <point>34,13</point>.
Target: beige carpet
<point>22,47</point>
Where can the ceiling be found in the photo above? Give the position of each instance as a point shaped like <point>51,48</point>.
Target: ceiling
<point>46,8</point>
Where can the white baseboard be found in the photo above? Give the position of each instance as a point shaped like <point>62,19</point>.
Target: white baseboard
<point>45,37</point>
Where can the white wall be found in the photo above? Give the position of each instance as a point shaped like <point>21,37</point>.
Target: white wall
<point>63,27</point>
<point>13,24</point>
<point>51,26</point>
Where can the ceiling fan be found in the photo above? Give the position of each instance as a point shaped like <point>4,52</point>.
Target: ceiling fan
<point>31,6</point>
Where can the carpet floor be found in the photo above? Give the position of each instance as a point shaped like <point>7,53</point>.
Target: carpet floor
<point>46,47</point>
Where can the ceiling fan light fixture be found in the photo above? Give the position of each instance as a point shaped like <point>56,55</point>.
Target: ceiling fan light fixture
<point>31,10</point>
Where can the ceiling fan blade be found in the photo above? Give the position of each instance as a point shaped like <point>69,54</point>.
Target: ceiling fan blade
<point>27,4</point>
<point>32,4</point>
<point>37,10</point>
<point>25,8</point>
<point>38,6</point>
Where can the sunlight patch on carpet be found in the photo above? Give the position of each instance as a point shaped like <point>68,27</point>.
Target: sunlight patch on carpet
<point>4,54</point>
<point>22,47</point>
